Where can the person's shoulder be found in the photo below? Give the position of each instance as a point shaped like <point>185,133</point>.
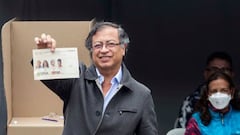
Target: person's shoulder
<point>132,83</point>
<point>199,88</point>
<point>235,110</point>
<point>196,93</point>
<point>196,115</point>
<point>83,66</point>
<point>235,114</point>
<point>139,87</point>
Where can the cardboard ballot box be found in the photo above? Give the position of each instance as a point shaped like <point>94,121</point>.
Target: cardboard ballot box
<point>28,100</point>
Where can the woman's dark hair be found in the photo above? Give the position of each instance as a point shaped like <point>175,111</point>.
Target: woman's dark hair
<point>203,104</point>
<point>123,37</point>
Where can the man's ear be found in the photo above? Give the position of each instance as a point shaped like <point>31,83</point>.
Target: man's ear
<point>125,49</point>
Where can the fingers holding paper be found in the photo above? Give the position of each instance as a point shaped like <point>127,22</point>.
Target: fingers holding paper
<point>45,41</point>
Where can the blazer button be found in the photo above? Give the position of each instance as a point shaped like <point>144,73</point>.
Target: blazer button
<point>98,113</point>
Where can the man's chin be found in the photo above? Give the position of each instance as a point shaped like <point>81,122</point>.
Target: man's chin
<point>105,65</point>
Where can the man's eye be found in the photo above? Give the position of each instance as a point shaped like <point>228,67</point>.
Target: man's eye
<point>111,44</point>
<point>97,46</point>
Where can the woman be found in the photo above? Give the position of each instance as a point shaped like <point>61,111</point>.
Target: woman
<point>216,113</point>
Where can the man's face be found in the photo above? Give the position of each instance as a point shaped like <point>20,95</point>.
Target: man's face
<point>218,65</point>
<point>52,62</point>
<point>107,53</point>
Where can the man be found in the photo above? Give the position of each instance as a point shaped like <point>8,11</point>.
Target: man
<point>106,99</point>
<point>215,62</point>
<point>52,62</point>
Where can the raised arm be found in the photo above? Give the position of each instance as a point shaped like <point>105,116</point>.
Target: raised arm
<point>59,86</point>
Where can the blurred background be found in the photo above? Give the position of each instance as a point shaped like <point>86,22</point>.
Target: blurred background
<point>170,39</point>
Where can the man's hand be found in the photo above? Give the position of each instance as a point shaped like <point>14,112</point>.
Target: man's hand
<point>45,41</point>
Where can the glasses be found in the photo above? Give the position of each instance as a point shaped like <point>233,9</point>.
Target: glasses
<point>215,69</point>
<point>108,45</point>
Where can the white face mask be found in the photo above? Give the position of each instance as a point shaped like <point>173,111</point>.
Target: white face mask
<point>219,100</point>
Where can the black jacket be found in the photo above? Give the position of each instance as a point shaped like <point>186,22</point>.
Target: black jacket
<point>130,111</point>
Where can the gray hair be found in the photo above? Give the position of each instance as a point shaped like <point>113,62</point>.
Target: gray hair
<point>123,37</point>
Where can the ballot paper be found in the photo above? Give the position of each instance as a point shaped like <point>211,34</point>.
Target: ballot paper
<point>60,64</point>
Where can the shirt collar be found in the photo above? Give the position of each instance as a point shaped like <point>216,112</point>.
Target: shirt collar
<point>216,114</point>
<point>117,78</point>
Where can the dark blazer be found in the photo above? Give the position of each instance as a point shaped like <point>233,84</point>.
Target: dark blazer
<point>130,111</point>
